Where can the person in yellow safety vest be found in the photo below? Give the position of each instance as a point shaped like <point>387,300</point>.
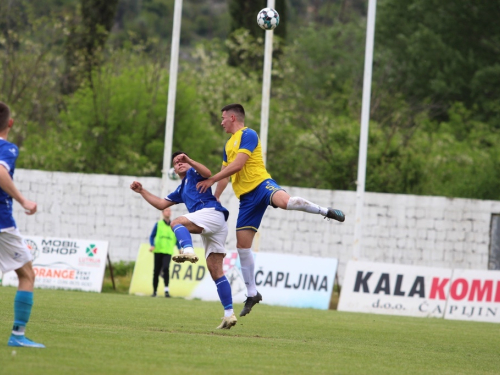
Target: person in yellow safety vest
<point>163,242</point>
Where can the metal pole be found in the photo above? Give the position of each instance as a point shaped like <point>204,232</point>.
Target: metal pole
<point>172,89</point>
<point>266,95</point>
<point>363,139</point>
<point>266,87</point>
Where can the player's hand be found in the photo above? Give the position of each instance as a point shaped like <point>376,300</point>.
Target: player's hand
<point>29,207</point>
<point>182,158</point>
<point>136,186</point>
<point>151,248</point>
<point>203,186</point>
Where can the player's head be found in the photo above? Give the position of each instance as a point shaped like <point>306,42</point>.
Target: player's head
<point>166,213</point>
<point>179,167</point>
<point>176,153</point>
<point>233,118</point>
<point>236,110</point>
<point>5,119</point>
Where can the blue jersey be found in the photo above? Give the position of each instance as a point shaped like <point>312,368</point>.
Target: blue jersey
<point>8,157</point>
<point>187,193</point>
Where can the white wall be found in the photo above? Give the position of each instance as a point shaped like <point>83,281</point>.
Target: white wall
<point>405,229</point>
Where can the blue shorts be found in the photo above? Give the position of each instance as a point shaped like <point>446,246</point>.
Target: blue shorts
<point>253,205</point>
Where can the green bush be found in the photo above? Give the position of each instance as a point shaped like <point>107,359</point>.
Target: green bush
<point>121,268</point>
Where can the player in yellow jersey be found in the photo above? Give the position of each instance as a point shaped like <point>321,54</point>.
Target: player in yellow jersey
<point>255,189</point>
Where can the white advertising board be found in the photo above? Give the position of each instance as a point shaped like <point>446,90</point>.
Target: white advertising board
<point>394,289</point>
<point>474,295</point>
<point>65,263</point>
<point>282,279</point>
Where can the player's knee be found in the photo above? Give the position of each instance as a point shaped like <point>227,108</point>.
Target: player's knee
<point>176,221</point>
<point>280,199</point>
<point>26,275</point>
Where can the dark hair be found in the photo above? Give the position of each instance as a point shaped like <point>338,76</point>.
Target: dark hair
<point>237,109</point>
<point>4,116</point>
<point>178,153</point>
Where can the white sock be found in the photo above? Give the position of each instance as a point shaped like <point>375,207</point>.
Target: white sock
<point>248,270</point>
<point>301,204</point>
<point>228,313</point>
<point>187,250</point>
<point>166,289</point>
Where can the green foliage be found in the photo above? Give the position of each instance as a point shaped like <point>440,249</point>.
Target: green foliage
<point>462,157</point>
<point>117,124</point>
<point>439,50</point>
<point>121,268</point>
<point>88,33</point>
<point>30,65</point>
<point>435,113</point>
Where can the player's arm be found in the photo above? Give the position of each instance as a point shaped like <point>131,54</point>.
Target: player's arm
<point>152,237</point>
<point>202,170</point>
<point>152,199</point>
<point>234,167</point>
<point>221,185</point>
<point>8,186</point>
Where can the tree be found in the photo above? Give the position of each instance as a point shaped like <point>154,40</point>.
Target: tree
<point>117,124</point>
<point>86,41</point>
<point>30,64</point>
<point>442,52</point>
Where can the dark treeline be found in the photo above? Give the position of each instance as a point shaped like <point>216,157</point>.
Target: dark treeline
<point>88,81</point>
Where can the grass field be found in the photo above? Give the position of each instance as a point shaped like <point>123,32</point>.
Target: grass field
<point>111,333</point>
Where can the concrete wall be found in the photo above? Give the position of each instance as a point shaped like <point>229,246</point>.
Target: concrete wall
<point>405,229</point>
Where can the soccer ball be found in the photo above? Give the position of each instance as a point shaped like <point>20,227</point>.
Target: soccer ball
<point>268,19</point>
<point>172,175</point>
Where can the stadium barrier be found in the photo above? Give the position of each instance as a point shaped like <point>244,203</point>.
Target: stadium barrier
<point>282,279</point>
<point>382,288</point>
<point>65,263</point>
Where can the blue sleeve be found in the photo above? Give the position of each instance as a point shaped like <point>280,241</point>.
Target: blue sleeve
<point>8,155</point>
<point>153,235</point>
<point>224,154</point>
<point>176,195</point>
<point>249,140</point>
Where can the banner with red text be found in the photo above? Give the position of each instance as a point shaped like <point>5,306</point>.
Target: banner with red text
<point>474,295</point>
<point>65,263</point>
<point>381,288</point>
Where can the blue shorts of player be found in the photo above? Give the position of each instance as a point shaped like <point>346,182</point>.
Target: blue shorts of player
<point>253,205</point>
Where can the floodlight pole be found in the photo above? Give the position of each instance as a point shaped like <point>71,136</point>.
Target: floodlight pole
<point>266,87</point>
<point>363,139</point>
<point>172,89</point>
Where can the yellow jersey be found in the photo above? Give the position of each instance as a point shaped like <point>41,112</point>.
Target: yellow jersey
<point>254,171</point>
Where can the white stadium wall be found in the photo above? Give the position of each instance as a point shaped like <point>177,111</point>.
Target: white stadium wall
<point>401,229</point>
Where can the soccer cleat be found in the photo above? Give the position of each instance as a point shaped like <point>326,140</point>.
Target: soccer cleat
<point>228,322</point>
<point>167,294</point>
<point>181,258</point>
<point>335,214</point>
<point>154,294</point>
<point>249,303</point>
<point>24,342</point>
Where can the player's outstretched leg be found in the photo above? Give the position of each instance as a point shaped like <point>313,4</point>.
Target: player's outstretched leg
<point>185,240</point>
<point>335,214</point>
<point>301,204</point>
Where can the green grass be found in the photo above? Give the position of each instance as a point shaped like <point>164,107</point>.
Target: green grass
<point>112,333</point>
